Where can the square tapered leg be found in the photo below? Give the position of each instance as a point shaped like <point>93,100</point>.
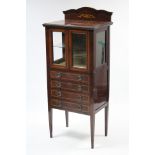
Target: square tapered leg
<point>67,117</point>
<point>92,128</point>
<point>50,118</point>
<point>106,119</point>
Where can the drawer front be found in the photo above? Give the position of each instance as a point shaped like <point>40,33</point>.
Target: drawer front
<point>80,88</point>
<point>82,78</point>
<point>75,97</point>
<point>56,103</point>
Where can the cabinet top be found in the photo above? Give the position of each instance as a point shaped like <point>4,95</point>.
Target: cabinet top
<point>85,18</point>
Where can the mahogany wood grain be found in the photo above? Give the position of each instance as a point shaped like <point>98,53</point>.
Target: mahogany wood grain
<point>78,107</point>
<point>71,96</point>
<point>68,86</point>
<point>69,76</point>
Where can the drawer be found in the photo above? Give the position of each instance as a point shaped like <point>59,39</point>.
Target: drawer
<point>82,78</point>
<point>74,97</point>
<point>60,104</point>
<point>81,88</point>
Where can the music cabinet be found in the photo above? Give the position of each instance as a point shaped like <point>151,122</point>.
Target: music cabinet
<point>78,64</point>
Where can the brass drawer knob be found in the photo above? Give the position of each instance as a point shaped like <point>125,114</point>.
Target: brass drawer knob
<point>80,98</point>
<point>80,107</point>
<point>59,74</point>
<point>58,84</point>
<point>79,77</point>
<point>79,88</point>
<point>58,93</point>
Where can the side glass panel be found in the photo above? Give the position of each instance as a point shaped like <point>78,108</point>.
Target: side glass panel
<point>100,48</point>
<point>79,53</point>
<point>59,48</point>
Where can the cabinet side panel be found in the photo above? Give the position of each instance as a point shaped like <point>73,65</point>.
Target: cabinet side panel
<point>100,74</point>
<point>47,65</point>
<point>108,60</point>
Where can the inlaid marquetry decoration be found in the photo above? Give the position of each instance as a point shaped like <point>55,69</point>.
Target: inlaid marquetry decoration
<point>88,16</point>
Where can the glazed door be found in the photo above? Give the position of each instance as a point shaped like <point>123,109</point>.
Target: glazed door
<point>79,50</point>
<point>58,48</point>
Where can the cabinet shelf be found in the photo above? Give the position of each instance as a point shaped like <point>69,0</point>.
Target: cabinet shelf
<point>59,45</point>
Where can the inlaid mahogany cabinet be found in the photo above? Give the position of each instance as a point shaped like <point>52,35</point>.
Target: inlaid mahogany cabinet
<point>78,64</point>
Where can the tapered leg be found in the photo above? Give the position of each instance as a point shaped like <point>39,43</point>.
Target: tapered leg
<point>50,117</point>
<point>92,128</point>
<point>67,115</point>
<point>106,119</point>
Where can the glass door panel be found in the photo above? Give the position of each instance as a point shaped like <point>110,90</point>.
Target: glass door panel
<point>79,50</point>
<point>59,55</point>
<point>100,48</point>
